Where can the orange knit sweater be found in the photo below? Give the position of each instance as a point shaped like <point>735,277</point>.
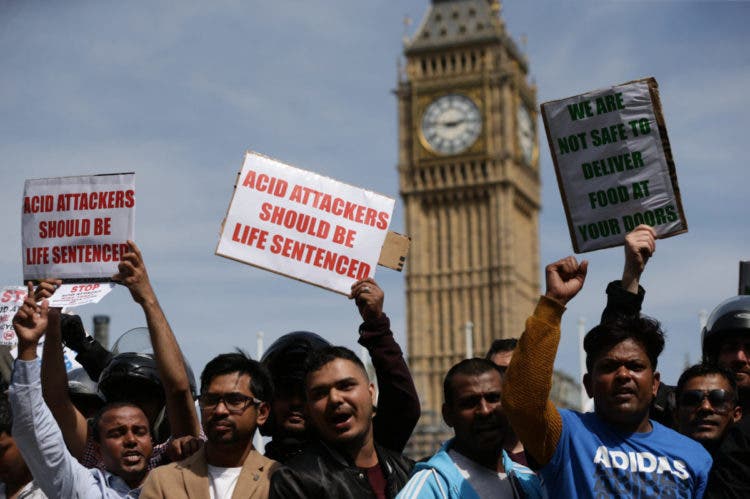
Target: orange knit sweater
<point>528,382</point>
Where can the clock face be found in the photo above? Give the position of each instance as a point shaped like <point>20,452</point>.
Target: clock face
<point>451,124</point>
<point>526,132</point>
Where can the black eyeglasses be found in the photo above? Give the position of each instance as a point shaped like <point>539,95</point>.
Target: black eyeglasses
<point>720,400</point>
<point>236,403</point>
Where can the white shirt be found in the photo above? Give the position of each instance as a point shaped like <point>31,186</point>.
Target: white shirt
<point>484,481</point>
<point>221,481</point>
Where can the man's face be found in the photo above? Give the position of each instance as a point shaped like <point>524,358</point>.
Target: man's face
<point>734,354</point>
<point>502,359</point>
<point>12,466</point>
<point>705,422</point>
<point>476,414</point>
<point>623,383</point>
<point>340,402</point>
<point>225,426</point>
<point>289,411</point>
<point>125,442</point>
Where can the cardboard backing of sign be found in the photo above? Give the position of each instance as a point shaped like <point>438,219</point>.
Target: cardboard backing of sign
<point>306,226</point>
<point>660,163</point>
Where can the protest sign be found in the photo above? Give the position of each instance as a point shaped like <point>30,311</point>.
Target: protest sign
<point>76,228</point>
<point>75,295</point>
<point>11,299</point>
<point>614,164</point>
<point>304,225</point>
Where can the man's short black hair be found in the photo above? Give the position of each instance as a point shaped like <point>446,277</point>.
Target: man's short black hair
<point>643,330</point>
<point>6,416</point>
<point>705,369</point>
<point>467,367</point>
<point>261,385</point>
<point>319,358</point>
<point>501,345</point>
<point>97,419</point>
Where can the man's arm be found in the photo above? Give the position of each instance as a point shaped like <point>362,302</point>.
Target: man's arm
<point>625,297</point>
<point>72,423</point>
<point>89,353</point>
<point>398,403</point>
<point>37,436</point>
<point>528,379</point>
<point>183,419</point>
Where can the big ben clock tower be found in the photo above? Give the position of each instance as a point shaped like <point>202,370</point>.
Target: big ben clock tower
<point>469,178</point>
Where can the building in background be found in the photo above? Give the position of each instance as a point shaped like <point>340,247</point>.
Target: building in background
<point>469,179</point>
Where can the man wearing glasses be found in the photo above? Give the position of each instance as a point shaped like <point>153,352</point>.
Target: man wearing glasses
<point>707,404</point>
<point>233,401</point>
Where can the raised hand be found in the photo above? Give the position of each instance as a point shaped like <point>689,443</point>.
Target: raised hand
<point>369,298</point>
<point>132,273</point>
<point>46,289</point>
<point>30,323</point>
<point>565,279</point>
<point>640,245</point>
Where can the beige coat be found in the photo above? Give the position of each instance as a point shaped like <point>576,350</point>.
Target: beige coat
<point>188,479</point>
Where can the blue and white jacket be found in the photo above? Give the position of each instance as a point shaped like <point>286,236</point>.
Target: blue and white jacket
<point>440,478</point>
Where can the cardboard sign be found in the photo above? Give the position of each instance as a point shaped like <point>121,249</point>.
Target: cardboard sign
<point>75,295</point>
<point>303,225</point>
<point>11,299</point>
<point>76,228</point>
<point>614,164</point>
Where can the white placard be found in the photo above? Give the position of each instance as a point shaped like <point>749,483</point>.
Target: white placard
<point>304,225</point>
<point>614,164</point>
<point>11,299</point>
<point>76,228</point>
<point>75,295</point>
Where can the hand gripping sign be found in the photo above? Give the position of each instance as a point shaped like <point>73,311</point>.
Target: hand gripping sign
<point>614,164</point>
<point>76,228</point>
<point>304,225</point>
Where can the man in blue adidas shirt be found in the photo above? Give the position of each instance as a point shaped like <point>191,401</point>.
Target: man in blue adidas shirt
<point>616,451</point>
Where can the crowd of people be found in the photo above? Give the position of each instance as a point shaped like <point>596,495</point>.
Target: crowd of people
<point>128,425</point>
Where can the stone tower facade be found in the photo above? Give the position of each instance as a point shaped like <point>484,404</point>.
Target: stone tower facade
<point>469,179</point>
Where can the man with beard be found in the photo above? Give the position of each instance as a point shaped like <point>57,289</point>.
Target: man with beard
<point>345,460</point>
<point>617,450</point>
<point>706,404</point>
<point>234,394</point>
<point>475,463</point>
<point>121,430</point>
<point>726,342</point>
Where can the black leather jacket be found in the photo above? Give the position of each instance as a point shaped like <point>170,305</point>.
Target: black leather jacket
<point>320,472</point>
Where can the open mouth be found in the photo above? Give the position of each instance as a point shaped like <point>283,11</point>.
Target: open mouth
<point>341,421</point>
<point>486,428</point>
<point>132,457</point>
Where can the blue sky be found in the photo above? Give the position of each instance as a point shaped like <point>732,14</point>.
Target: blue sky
<point>178,91</point>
